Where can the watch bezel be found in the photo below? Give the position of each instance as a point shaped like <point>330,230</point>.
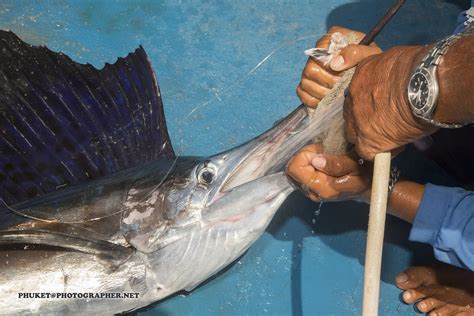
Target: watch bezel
<point>427,110</point>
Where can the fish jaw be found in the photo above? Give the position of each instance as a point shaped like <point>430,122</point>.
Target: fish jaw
<point>228,228</point>
<point>249,179</point>
<point>253,203</point>
<point>265,154</point>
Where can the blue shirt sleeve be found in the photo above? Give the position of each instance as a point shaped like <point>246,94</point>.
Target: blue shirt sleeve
<point>464,19</point>
<point>445,220</point>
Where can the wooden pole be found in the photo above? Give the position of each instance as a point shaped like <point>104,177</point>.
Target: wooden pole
<point>375,233</point>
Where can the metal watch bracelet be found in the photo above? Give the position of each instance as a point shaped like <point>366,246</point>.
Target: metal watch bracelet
<point>429,65</point>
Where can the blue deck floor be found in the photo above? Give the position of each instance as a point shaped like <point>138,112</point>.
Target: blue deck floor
<point>227,71</point>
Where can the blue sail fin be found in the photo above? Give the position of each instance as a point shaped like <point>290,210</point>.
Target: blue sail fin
<point>63,123</point>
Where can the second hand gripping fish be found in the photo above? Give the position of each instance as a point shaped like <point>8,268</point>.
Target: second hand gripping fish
<point>94,198</point>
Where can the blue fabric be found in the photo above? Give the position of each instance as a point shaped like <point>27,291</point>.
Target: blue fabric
<point>445,220</point>
<point>465,18</point>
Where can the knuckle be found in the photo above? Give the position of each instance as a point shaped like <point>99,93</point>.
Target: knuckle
<point>292,172</point>
<point>306,86</point>
<point>313,103</point>
<point>303,83</point>
<point>291,167</point>
<point>299,91</point>
<point>307,72</point>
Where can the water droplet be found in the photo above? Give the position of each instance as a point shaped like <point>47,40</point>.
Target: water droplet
<point>318,211</point>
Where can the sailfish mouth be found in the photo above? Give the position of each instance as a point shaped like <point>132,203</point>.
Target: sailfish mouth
<point>266,154</point>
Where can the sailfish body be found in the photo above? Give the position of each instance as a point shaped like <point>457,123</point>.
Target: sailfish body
<point>94,199</point>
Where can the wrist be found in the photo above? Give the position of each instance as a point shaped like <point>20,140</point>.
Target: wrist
<point>409,62</point>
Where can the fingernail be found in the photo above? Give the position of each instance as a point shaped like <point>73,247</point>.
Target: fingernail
<point>402,278</point>
<point>319,162</point>
<point>422,305</point>
<point>337,62</point>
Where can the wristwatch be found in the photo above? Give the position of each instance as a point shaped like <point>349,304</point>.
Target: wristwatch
<point>423,89</point>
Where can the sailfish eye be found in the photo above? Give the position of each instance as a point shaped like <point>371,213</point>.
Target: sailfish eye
<point>206,174</point>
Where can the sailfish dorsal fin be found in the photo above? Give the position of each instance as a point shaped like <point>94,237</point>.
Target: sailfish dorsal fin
<point>63,123</point>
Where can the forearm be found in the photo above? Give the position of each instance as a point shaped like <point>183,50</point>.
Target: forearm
<point>405,199</point>
<point>456,78</point>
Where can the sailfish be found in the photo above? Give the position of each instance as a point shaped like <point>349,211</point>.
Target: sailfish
<point>93,198</point>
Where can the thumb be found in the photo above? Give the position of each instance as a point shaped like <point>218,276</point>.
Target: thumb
<point>351,55</point>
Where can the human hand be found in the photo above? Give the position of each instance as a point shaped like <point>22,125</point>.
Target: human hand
<point>318,79</point>
<point>330,177</point>
<point>377,114</point>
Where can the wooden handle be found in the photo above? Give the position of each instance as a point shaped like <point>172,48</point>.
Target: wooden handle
<point>375,233</point>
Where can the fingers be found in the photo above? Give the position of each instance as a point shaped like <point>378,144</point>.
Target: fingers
<point>335,166</point>
<point>317,79</point>
<point>330,188</point>
<point>327,177</point>
<point>316,82</point>
<point>351,55</point>
<point>306,98</point>
<point>319,74</point>
<point>313,88</point>
<point>299,167</point>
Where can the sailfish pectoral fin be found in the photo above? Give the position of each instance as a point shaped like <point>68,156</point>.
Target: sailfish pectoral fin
<point>107,251</point>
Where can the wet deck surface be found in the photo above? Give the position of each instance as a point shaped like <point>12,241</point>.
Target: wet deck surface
<point>227,71</point>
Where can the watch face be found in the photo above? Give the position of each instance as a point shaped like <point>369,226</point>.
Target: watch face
<point>418,91</point>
